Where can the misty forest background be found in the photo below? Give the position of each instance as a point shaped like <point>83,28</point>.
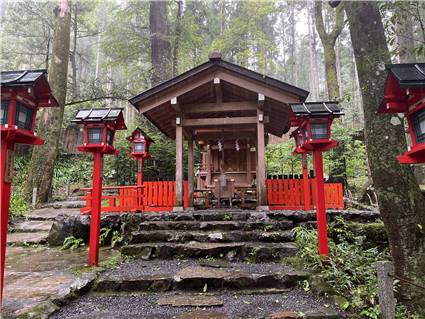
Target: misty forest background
<point>120,48</point>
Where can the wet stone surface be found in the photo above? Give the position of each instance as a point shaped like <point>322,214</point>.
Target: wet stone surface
<point>234,306</point>
<point>35,276</point>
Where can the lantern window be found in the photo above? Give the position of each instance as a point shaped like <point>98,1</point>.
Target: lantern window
<point>319,130</point>
<point>305,134</point>
<point>110,137</point>
<point>4,112</point>
<point>95,135</point>
<point>419,125</point>
<point>139,147</point>
<point>23,116</point>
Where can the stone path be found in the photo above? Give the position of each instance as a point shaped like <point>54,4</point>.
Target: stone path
<point>34,229</point>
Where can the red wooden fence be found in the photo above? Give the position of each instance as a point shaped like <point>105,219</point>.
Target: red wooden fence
<point>289,194</point>
<point>161,196</point>
<point>153,196</point>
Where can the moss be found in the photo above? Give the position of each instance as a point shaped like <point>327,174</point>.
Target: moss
<point>375,233</point>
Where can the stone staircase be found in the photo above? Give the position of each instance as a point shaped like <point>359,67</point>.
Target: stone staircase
<point>235,235</point>
<point>34,228</point>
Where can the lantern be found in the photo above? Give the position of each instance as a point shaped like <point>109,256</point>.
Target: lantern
<point>404,93</point>
<point>99,127</point>
<point>22,93</point>
<point>140,143</point>
<point>313,122</point>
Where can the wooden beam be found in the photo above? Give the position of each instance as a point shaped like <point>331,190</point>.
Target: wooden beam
<point>261,100</point>
<point>175,105</point>
<point>225,135</point>
<point>218,92</point>
<point>219,107</point>
<point>261,165</point>
<point>222,121</point>
<point>254,86</point>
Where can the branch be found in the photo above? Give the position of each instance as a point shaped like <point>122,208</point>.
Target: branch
<point>97,99</point>
<point>319,21</point>
<point>339,24</point>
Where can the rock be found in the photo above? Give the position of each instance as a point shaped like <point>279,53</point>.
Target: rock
<point>197,277</point>
<point>22,239</point>
<point>283,315</point>
<point>33,226</point>
<point>203,314</point>
<point>65,226</point>
<point>190,301</point>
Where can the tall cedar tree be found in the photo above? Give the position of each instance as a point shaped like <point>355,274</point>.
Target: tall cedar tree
<point>50,123</point>
<point>400,201</point>
<point>328,42</point>
<point>160,45</point>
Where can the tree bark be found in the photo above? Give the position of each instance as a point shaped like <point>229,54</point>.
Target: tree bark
<point>400,201</point>
<point>177,37</point>
<point>49,127</point>
<point>328,42</point>
<point>160,45</point>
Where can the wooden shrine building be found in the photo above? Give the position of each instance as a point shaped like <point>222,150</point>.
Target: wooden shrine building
<point>227,111</point>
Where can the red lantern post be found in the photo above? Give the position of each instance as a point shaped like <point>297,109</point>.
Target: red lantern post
<point>99,131</point>
<point>313,135</point>
<point>22,93</point>
<point>140,151</point>
<point>404,93</point>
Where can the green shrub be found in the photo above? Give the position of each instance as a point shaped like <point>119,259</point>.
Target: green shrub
<point>72,243</point>
<point>349,274</point>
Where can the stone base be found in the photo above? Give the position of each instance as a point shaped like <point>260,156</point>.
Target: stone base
<point>263,208</point>
<point>178,209</point>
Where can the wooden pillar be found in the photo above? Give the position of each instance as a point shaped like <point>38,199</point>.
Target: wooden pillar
<point>248,164</point>
<point>179,166</point>
<point>208,165</point>
<point>190,171</point>
<point>261,164</point>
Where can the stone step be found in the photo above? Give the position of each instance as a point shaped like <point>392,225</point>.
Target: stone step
<point>199,278</point>
<point>23,239</point>
<point>250,251</point>
<point>65,204</point>
<point>50,213</point>
<point>140,237</point>
<point>217,225</point>
<point>33,226</point>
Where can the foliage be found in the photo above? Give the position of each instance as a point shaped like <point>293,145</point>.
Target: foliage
<point>349,272</point>
<point>72,243</point>
<point>18,206</point>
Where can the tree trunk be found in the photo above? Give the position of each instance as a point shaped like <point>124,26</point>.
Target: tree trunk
<point>49,127</point>
<point>405,38</point>
<point>177,37</point>
<point>73,54</point>
<point>400,201</point>
<point>328,41</point>
<point>312,54</point>
<point>160,45</point>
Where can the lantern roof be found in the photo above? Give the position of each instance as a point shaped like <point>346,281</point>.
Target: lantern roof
<point>313,109</point>
<point>138,130</point>
<point>101,115</point>
<point>408,74</point>
<point>30,78</point>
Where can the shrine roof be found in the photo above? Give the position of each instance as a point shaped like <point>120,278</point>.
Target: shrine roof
<point>408,74</point>
<point>101,115</point>
<point>30,78</point>
<point>308,109</point>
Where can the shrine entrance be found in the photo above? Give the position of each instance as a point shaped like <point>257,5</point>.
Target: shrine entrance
<point>227,111</point>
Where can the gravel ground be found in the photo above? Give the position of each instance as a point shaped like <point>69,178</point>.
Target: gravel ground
<point>170,267</point>
<point>235,306</point>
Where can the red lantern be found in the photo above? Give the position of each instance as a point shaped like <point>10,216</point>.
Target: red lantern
<point>313,122</point>
<point>22,93</point>
<point>99,130</point>
<point>405,93</point>
<point>140,150</point>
